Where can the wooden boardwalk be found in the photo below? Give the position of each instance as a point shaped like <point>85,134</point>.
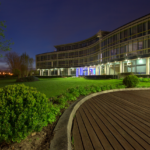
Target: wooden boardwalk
<point>118,120</point>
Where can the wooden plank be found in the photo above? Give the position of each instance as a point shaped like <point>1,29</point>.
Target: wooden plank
<point>131,98</point>
<point>115,144</point>
<point>76,135</point>
<point>95,141</point>
<point>142,94</point>
<point>98,131</point>
<point>134,132</point>
<point>122,123</point>
<point>117,101</point>
<point>85,137</point>
<point>124,114</point>
<point>116,130</point>
<point>131,104</point>
<point>144,123</point>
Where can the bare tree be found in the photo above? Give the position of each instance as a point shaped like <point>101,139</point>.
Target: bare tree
<point>14,62</point>
<point>25,64</point>
<point>31,66</point>
<point>19,65</point>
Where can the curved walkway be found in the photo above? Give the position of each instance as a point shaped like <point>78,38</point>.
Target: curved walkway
<point>116,120</point>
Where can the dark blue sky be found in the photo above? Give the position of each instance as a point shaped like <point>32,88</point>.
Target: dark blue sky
<point>35,26</point>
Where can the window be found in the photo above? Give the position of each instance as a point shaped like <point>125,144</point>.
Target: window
<point>134,46</point>
<point>144,28</point>
<point>134,32</point>
<point>54,56</point>
<point>54,63</point>
<point>49,57</point>
<point>118,38</point>
<point>125,34</point>
<point>121,36</point>
<point>49,63</point>
<point>122,49</point>
<point>140,45</point>
<point>42,58</point>
<point>130,47</point>
<point>129,32</point>
<point>139,29</point>
<point>117,50</point>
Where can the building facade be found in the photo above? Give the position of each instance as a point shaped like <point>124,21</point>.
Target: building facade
<point>125,49</point>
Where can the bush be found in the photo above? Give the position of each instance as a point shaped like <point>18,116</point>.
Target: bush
<point>104,88</point>
<point>113,87</point>
<point>140,79</point>
<point>23,110</point>
<point>70,97</point>
<point>131,81</point>
<point>27,79</point>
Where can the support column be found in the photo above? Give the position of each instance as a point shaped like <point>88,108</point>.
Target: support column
<point>97,70</point>
<point>121,68</point>
<point>100,70</point>
<point>69,72</point>
<point>105,69</point>
<point>147,66</point>
<point>48,72</point>
<point>40,72</point>
<point>58,71</point>
<point>88,71</point>
<point>78,71</point>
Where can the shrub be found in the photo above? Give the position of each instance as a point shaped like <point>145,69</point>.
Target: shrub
<point>93,89</point>
<point>140,79</point>
<point>23,110</point>
<point>27,79</point>
<point>96,88</point>
<point>70,97</point>
<point>130,81</point>
<point>104,88</point>
<point>76,93</point>
<point>82,90</point>
<point>113,87</point>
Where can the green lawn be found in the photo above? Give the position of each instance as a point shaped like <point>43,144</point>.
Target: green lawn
<point>55,86</point>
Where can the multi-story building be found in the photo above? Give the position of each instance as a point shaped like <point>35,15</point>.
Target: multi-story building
<point>125,49</point>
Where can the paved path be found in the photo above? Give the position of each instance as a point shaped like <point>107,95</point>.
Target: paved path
<point>117,120</point>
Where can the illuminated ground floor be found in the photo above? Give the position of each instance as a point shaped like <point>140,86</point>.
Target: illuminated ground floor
<point>137,66</point>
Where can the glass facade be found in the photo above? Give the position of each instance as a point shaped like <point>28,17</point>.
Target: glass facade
<point>129,42</point>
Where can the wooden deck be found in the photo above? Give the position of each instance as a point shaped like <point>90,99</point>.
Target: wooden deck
<point>118,120</point>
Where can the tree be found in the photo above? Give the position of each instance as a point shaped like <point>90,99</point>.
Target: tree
<point>31,66</point>
<point>14,62</point>
<point>19,65</point>
<point>27,64</point>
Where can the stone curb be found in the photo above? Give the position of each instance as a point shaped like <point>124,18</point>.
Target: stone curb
<point>62,131</point>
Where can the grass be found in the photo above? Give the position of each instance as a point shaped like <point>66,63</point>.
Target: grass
<point>55,86</point>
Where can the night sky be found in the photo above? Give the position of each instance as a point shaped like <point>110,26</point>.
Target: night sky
<point>35,26</point>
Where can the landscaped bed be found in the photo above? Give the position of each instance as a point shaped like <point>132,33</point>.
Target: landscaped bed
<point>61,92</point>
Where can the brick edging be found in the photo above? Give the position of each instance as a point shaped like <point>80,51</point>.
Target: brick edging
<point>62,131</point>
